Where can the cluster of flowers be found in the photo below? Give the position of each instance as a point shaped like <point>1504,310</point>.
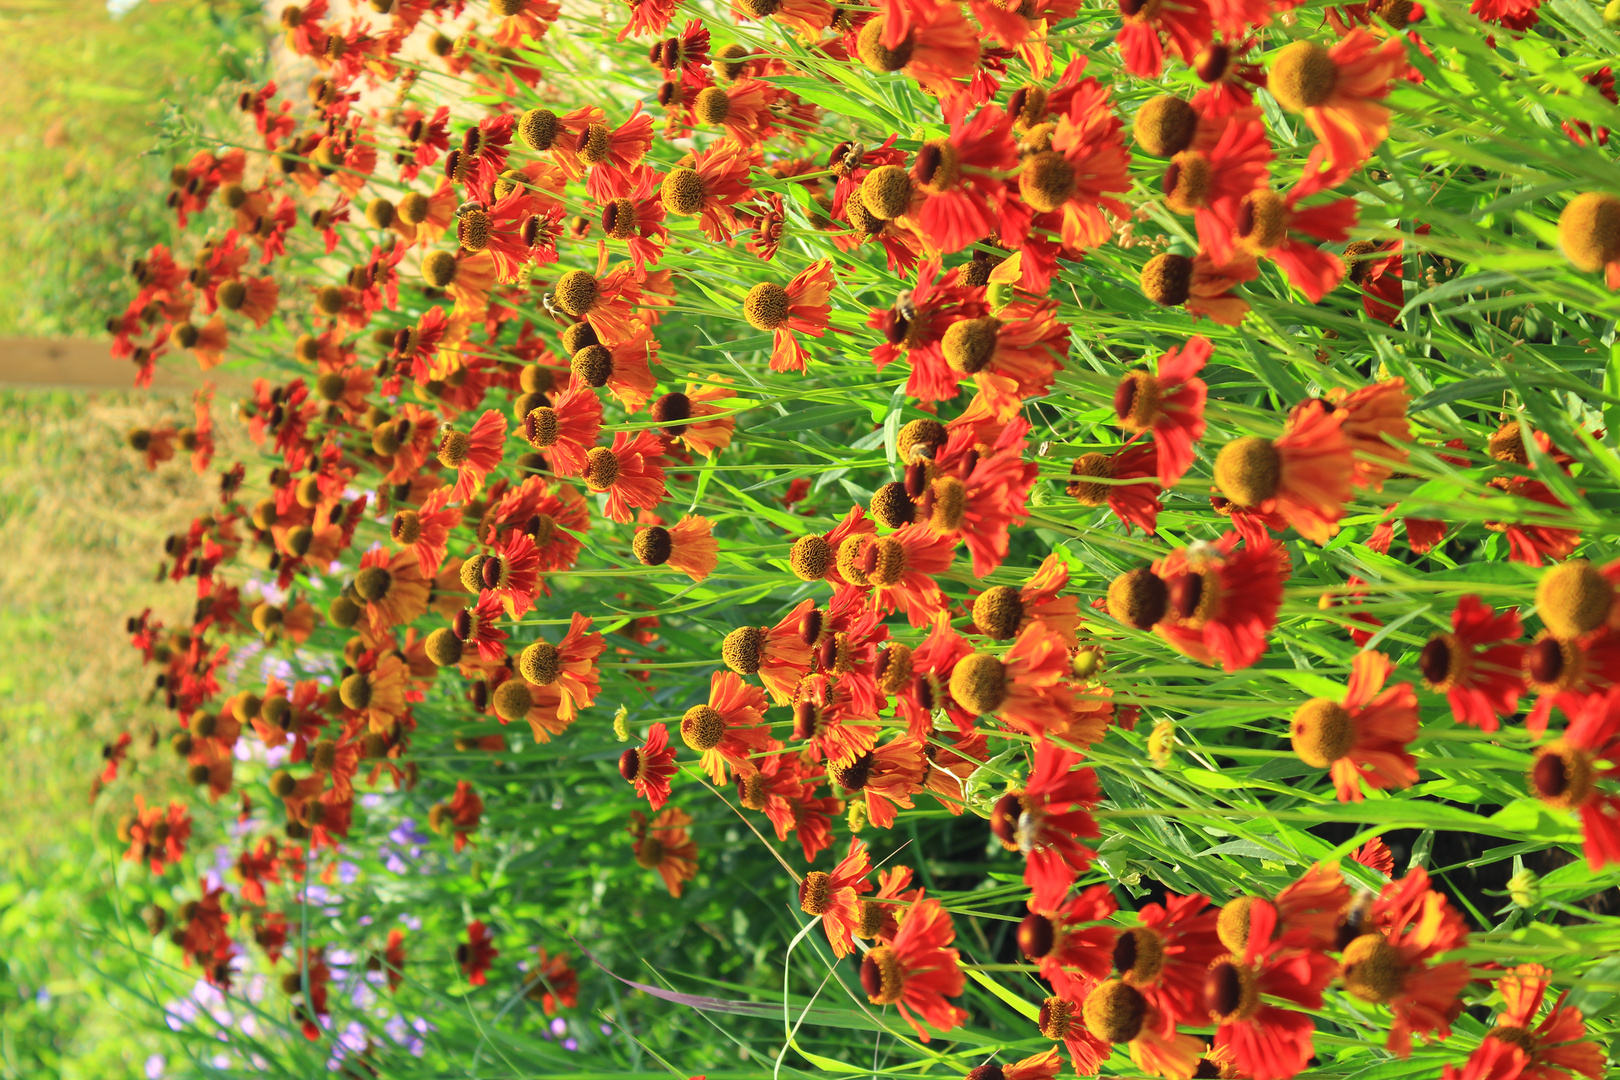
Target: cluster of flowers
<point>1236,967</point>
<point>1030,178</point>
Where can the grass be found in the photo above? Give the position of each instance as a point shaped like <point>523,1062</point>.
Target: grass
<point>82,521</point>
<point>82,95</point>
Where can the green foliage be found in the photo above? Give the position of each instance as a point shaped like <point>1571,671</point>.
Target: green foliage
<point>81,93</point>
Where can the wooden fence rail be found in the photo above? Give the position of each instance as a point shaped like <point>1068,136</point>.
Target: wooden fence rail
<point>87,364</point>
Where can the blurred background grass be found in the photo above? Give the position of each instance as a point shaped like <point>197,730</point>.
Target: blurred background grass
<point>83,90</point>
<point>82,536</point>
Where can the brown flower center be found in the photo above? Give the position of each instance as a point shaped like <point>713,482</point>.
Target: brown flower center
<point>1302,76</point>
<point>1114,1012</point>
<point>1248,470</point>
<point>601,468</point>
<point>881,975</point>
<point>743,649</point>
<point>1561,775</point>
<point>979,683</point>
<point>1372,969</point>
<point>1322,732</point>
<point>702,728</point>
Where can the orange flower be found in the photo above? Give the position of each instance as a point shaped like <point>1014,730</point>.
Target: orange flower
<point>730,729</point>
<point>1391,964</point>
<point>1336,89</point>
<point>1364,738</point>
<point>689,547</point>
<point>777,654</point>
<point>885,776</point>
<point>664,845</point>
<point>1305,475</point>
<point>685,417</point>
<point>800,307</point>
<point>1377,429</point>
<point>834,897</point>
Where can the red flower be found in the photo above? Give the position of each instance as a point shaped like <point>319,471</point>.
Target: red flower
<point>607,303</point>
<point>1167,954</point>
<point>1512,14</point>
<point>477,954</point>
<point>632,212</point>
<point>649,768</point>
<point>394,958</point>
<point>312,979</point>
<point>630,473</point>
<point>900,568</point>
<point>1566,776</point>
<point>1047,820</point>
<point>1305,475</point>
<point>1336,89</point>
<point>474,454</point>
<point>777,654</point>
<point>513,573</point>
<point>1073,938</point>
<point>1532,544</point>
<point>477,625</point>
<point>1376,856</point>
<point>801,307</point>
<point>1222,601</point>
<point>730,729</point>
<point>1555,1049</point>
<point>920,679</point>
<point>846,637</point>
<point>1170,404</point>
<point>835,897</point>
<point>1266,224</point>
<point>1264,1041</point>
<point>1365,737</point>
<point>158,835</point>
<point>1210,179</point>
<point>1150,24</point>
<point>1392,964</point>
<point>932,42</point>
<point>1134,504</point>
<point>1025,688</point>
<point>977,492</point>
<point>566,429</point>
<point>460,815</point>
<point>710,189</point>
<point>1477,666</point>
<point>916,972</point>
<point>959,178</point>
<point>1603,81</point>
<point>554,982</point>
<point>915,327</point>
<point>426,531</point>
